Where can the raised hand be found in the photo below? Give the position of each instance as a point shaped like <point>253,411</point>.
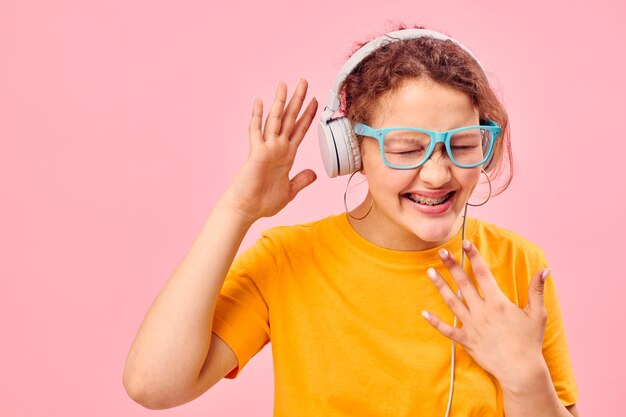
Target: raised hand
<point>502,338</point>
<point>263,187</point>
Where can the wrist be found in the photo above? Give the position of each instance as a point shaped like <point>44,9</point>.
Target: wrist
<point>527,378</point>
<point>231,206</point>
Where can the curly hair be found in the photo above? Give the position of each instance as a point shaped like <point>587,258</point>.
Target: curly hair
<point>444,62</point>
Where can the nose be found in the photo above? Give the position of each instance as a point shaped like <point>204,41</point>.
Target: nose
<point>436,170</point>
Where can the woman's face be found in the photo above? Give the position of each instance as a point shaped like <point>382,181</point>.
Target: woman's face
<point>397,221</point>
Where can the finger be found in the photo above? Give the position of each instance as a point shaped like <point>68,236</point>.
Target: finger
<point>469,291</point>
<point>254,130</point>
<point>303,124</point>
<point>536,290</point>
<point>483,274</point>
<point>273,121</point>
<point>451,299</point>
<point>445,329</point>
<point>293,108</point>
<point>302,180</point>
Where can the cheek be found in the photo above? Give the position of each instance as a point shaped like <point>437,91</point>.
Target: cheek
<point>369,157</point>
<point>372,163</point>
<point>384,180</point>
<point>468,178</point>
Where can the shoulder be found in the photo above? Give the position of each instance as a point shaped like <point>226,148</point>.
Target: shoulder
<point>512,258</point>
<point>304,239</point>
<point>304,232</point>
<point>489,233</point>
<point>280,242</point>
<point>503,242</point>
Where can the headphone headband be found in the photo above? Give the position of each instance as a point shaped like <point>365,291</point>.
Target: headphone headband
<point>356,58</point>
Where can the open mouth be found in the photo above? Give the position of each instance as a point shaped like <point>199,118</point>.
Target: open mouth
<point>427,201</point>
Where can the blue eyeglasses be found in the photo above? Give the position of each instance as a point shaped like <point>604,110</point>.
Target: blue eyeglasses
<point>410,147</point>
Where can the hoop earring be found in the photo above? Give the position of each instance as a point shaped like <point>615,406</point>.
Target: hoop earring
<point>345,203</point>
<point>489,196</point>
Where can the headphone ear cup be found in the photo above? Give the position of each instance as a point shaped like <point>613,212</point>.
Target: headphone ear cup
<point>352,145</point>
<point>328,148</point>
<point>339,147</point>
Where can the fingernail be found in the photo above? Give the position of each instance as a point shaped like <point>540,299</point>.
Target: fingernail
<point>466,244</point>
<point>432,273</point>
<point>443,253</point>
<point>426,315</point>
<point>544,274</point>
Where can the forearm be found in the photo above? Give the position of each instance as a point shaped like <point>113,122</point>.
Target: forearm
<point>533,394</point>
<point>173,340</point>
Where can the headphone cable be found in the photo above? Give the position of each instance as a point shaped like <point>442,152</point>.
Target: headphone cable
<point>454,323</point>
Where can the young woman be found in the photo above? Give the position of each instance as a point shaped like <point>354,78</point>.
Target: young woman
<point>362,307</point>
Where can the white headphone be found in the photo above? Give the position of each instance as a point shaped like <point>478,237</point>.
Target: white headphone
<point>338,144</point>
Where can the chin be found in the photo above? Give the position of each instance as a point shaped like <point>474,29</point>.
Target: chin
<point>433,234</point>
<point>435,229</point>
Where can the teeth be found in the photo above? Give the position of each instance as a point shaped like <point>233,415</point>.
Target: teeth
<point>428,201</point>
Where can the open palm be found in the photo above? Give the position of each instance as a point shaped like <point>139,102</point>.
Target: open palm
<point>262,186</point>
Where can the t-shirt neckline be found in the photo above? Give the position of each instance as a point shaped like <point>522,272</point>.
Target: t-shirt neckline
<point>428,256</point>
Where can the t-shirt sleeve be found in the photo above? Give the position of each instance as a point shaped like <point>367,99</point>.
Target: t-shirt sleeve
<point>555,348</point>
<point>241,317</point>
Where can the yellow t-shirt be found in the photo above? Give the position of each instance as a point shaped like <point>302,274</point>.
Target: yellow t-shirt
<point>344,319</point>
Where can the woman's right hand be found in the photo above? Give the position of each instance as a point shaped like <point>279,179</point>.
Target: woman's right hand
<point>262,186</point>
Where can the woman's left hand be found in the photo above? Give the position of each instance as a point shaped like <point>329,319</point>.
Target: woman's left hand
<point>503,339</point>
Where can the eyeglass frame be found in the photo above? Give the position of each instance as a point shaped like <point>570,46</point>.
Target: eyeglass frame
<point>435,138</point>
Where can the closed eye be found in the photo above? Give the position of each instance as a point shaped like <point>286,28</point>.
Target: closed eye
<point>463,147</point>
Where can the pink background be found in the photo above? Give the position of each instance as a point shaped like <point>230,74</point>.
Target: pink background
<point>122,122</point>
